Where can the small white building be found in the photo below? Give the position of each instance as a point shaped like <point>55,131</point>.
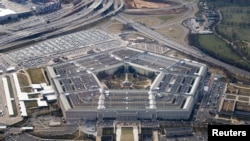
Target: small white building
<point>54,123</point>
<point>10,69</point>
<point>36,86</point>
<point>51,98</point>
<point>28,128</point>
<point>42,103</point>
<point>3,128</point>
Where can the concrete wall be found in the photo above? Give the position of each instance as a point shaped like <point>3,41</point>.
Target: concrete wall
<point>174,114</point>
<point>62,108</point>
<point>129,115</point>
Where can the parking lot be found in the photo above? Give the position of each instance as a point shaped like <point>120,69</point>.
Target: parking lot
<point>150,47</point>
<point>213,97</point>
<point>5,63</point>
<point>41,53</point>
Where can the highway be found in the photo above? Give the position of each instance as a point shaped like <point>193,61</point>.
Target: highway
<point>78,16</point>
<point>43,27</point>
<point>86,13</point>
<point>184,49</point>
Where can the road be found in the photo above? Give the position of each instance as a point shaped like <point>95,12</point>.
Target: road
<point>6,118</point>
<point>69,19</point>
<point>89,14</point>
<point>190,50</point>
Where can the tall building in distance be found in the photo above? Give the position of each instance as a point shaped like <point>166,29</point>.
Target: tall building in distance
<point>45,6</point>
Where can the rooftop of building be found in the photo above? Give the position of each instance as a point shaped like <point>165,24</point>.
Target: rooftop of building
<point>13,6</point>
<point>173,88</point>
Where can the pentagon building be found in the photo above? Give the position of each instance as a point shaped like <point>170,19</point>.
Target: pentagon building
<point>84,93</point>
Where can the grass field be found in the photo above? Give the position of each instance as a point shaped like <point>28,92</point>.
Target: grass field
<point>234,33</point>
<point>219,47</point>
<point>235,23</point>
<point>127,134</point>
<point>23,80</point>
<point>244,92</point>
<point>30,104</point>
<point>165,17</point>
<point>146,21</point>
<point>27,90</point>
<point>228,3</point>
<point>174,31</point>
<point>34,96</point>
<point>234,27</point>
<point>230,96</point>
<point>36,75</point>
<point>243,98</point>
<point>115,28</point>
<point>242,106</point>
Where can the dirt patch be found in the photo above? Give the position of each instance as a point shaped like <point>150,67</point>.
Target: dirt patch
<point>147,21</point>
<point>174,32</point>
<point>115,28</point>
<point>145,4</point>
<point>127,134</point>
<point>158,11</point>
<point>228,106</point>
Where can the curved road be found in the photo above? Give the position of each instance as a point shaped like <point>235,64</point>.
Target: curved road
<point>87,12</point>
<point>81,19</point>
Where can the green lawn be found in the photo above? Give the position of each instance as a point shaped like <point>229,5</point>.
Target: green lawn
<point>228,3</point>
<point>219,47</point>
<point>234,27</point>
<point>166,17</point>
<point>213,45</point>
<point>235,23</point>
<point>234,33</point>
<point>235,14</point>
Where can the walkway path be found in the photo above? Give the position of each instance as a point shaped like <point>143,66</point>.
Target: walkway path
<point>240,86</point>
